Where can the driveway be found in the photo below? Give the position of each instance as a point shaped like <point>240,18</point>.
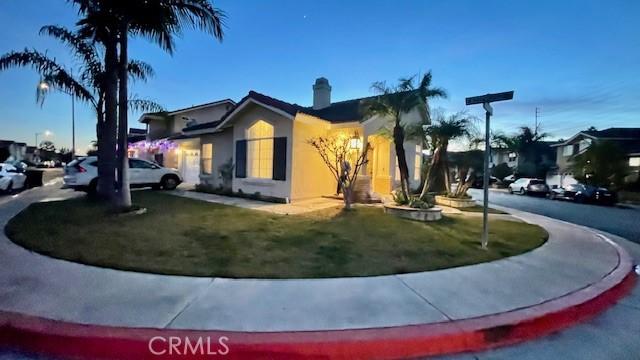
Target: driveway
<point>615,220</point>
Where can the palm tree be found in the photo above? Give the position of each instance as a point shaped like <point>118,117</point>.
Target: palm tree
<point>86,85</point>
<point>395,101</point>
<point>112,22</point>
<point>444,130</point>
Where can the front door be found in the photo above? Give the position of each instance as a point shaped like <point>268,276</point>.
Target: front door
<point>190,168</point>
<point>381,162</point>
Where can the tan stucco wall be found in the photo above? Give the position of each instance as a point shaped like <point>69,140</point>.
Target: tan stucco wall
<point>310,176</point>
<point>223,148</point>
<point>283,127</point>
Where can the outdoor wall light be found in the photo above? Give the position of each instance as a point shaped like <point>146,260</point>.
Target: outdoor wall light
<point>355,143</point>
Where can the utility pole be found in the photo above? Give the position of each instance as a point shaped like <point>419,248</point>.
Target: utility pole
<point>486,101</point>
<point>537,114</point>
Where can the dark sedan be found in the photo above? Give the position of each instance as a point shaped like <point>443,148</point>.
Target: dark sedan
<point>584,193</point>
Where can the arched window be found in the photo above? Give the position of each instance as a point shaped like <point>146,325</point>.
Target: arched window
<point>260,150</point>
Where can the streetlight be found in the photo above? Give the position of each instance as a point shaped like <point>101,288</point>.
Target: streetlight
<point>486,101</point>
<point>45,133</point>
<point>44,86</point>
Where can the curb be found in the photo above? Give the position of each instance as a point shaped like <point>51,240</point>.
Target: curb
<point>57,338</point>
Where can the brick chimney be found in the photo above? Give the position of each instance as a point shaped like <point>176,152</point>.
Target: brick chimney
<point>321,94</point>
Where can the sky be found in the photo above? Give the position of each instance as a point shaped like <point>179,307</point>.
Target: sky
<point>577,61</point>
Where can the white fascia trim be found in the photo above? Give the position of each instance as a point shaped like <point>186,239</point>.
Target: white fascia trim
<point>347,125</point>
<point>573,138</point>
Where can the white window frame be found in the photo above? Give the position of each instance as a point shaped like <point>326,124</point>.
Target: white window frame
<point>634,161</point>
<point>260,142</point>
<point>206,159</point>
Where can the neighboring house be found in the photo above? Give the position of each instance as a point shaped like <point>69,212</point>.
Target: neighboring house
<point>165,141</point>
<point>501,155</point>
<point>266,139</point>
<point>628,139</point>
<point>545,150</point>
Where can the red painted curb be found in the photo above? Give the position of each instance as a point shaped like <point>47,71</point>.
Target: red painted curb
<point>64,339</point>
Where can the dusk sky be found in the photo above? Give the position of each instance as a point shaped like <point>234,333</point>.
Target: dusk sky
<point>578,61</point>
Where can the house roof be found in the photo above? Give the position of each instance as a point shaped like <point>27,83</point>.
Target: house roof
<point>341,111</point>
<point>606,134</point>
<point>202,106</point>
<point>163,114</point>
<point>336,113</point>
<point>134,131</point>
<point>615,133</point>
<point>202,126</point>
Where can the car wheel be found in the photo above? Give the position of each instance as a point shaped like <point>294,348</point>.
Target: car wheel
<point>10,187</point>
<point>551,196</point>
<point>579,199</point>
<point>92,189</point>
<point>169,182</point>
<point>510,190</point>
<point>522,191</point>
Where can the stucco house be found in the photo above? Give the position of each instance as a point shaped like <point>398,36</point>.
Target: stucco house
<point>166,142</point>
<point>266,140</point>
<point>628,139</point>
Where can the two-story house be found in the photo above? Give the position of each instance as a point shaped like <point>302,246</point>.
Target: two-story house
<point>628,139</point>
<point>167,142</point>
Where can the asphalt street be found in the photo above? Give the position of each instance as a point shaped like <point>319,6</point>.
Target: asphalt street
<point>623,221</point>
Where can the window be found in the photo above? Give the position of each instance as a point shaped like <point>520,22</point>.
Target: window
<point>567,150</point>
<point>140,164</point>
<point>417,166</point>
<point>260,150</point>
<point>207,158</point>
<point>634,161</point>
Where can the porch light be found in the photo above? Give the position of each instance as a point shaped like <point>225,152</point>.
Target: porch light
<point>355,143</point>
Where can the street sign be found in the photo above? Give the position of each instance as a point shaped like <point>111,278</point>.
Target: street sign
<point>489,98</point>
<point>486,101</point>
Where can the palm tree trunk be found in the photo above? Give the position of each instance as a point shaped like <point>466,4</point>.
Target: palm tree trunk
<point>398,139</point>
<point>124,193</point>
<point>108,135</point>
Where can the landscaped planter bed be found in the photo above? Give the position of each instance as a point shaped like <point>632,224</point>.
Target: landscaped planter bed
<point>406,212</point>
<point>455,202</point>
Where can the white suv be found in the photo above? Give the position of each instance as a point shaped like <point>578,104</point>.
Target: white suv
<point>82,174</point>
<point>11,178</point>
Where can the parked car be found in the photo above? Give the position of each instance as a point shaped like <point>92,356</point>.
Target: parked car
<point>584,193</point>
<point>11,178</point>
<point>82,174</point>
<point>508,180</point>
<point>529,186</point>
<point>478,183</point>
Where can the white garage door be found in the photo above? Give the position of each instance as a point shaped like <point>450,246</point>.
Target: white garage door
<point>190,168</point>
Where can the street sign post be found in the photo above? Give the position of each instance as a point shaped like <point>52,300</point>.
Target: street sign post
<point>486,101</point>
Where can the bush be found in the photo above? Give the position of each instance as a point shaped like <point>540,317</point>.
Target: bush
<point>501,171</point>
<point>221,190</point>
<point>413,201</point>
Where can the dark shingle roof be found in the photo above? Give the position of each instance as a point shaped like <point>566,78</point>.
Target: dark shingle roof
<point>615,133</point>
<point>137,131</point>
<point>341,111</point>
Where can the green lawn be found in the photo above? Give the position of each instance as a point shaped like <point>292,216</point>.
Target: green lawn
<point>189,237</point>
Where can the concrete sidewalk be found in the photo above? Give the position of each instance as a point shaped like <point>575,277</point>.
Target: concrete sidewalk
<point>298,207</point>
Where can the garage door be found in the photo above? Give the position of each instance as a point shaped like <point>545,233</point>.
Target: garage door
<point>190,168</point>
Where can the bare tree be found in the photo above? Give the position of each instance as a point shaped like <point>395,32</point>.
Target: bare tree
<point>343,161</point>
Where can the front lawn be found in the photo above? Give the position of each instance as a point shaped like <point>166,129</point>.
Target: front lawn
<point>189,237</point>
